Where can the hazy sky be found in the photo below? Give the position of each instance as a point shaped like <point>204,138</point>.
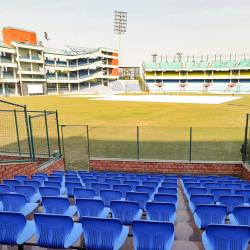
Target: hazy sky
<point>161,26</point>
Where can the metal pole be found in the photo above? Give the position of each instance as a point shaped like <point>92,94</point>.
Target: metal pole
<point>17,133</point>
<point>190,143</point>
<point>58,134</point>
<point>244,156</point>
<point>28,128</point>
<point>62,126</point>
<point>87,128</point>
<point>138,143</point>
<point>32,140</point>
<point>47,132</point>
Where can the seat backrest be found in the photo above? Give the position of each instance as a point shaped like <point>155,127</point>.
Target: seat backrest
<point>112,182</point>
<point>88,181</point>
<point>202,199</point>
<point>245,193</point>
<point>217,192</point>
<point>56,179</point>
<point>145,234</point>
<point>242,214</point>
<point>165,190</point>
<point>58,172</point>
<point>231,201</point>
<point>49,191</point>
<point>27,191</point>
<point>123,189</point>
<point>145,189</point>
<point>98,186</point>
<point>160,211</point>
<point>11,226</point>
<point>55,184</point>
<point>100,233</point>
<point>228,237</point>
<point>55,205</point>
<point>155,179</point>
<point>139,197</point>
<point>168,184</point>
<point>192,185</point>
<point>210,185</point>
<point>70,186</point>
<point>170,198</point>
<point>52,230</point>
<point>211,214</point>
<point>84,193</point>
<point>21,178</point>
<point>72,179</point>
<point>133,184</point>
<point>89,207</point>
<point>192,191</point>
<point>124,210</point>
<point>108,195</point>
<point>39,178</point>
<point>150,184</point>
<point>12,184</point>
<point>35,184</point>
<point>247,186</point>
<point>13,202</point>
<point>233,186</point>
<point>4,189</point>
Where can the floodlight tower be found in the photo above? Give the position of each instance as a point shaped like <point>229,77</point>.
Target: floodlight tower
<point>120,26</point>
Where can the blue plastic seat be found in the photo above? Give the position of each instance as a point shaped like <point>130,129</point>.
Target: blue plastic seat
<point>109,195</point>
<point>99,186</point>
<point>217,192</point>
<point>70,186</point>
<point>4,189</point>
<point>29,192</point>
<point>39,178</point>
<point>84,193</point>
<point>15,229</point>
<point>112,182</point>
<point>126,211</point>
<point>21,178</point>
<point>35,184</point>
<point>56,231</point>
<point>55,179</point>
<point>226,237</point>
<point>191,191</point>
<point>154,179</point>
<point>16,203</point>
<point>150,184</point>
<point>139,197</point>
<point>58,205</point>
<point>233,186</point>
<point>72,179</point>
<point>205,215</point>
<point>145,189</point>
<point>58,172</point>
<point>245,193</point>
<point>88,181</point>
<point>42,174</point>
<point>12,184</point>
<point>161,211</point>
<point>49,191</point>
<point>247,186</point>
<point>231,201</point>
<point>169,198</point>
<point>240,216</point>
<point>164,190</point>
<point>168,184</point>
<point>123,189</point>
<point>91,207</point>
<point>200,199</point>
<point>210,186</point>
<point>152,235</point>
<point>55,184</point>
<point>133,184</point>
<point>100,234</point>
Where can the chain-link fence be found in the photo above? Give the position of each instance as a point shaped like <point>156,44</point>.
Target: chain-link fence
<point>27,135</point>
<point>151,143</point>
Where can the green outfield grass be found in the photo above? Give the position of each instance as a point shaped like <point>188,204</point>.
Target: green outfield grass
<point>218,130</point>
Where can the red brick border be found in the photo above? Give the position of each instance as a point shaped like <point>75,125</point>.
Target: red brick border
<point>170,167</point>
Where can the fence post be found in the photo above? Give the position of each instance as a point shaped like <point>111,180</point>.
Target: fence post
<point>62,126</point>
<point>32,139</point>
<point>244,153</point>
<point>190,143</point>
<point>28,128</point>
<point>58,134</point>
<point>17,133</point>
<point>47,132</point>
<point>88,144</point>
<point>138,142</point>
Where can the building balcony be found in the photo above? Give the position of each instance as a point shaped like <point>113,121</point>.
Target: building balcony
<point>29,72</point>
<point>30,59</point>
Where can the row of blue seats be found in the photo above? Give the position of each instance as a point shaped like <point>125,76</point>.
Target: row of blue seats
<point>212,203</point>
<point>57,231</point>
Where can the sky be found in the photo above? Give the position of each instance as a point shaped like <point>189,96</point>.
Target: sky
<point>164,27</point>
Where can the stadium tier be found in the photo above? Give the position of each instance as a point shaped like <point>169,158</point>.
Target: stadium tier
<point>210,75</point>
<point>101,207</point>
<point>27,67</point>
